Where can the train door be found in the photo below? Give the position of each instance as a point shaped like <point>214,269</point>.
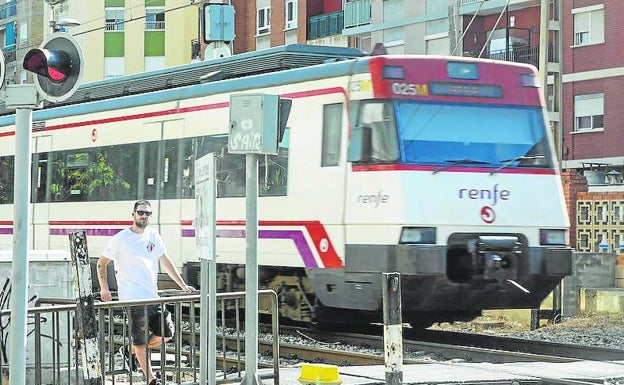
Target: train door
<point>167,175</point>
<point>40,191</point>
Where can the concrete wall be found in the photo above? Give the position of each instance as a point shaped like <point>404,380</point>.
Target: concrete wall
<point>589,270</point>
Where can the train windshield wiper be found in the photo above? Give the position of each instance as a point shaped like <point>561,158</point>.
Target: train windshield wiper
<point>507,162</point>
<point>455,162</point>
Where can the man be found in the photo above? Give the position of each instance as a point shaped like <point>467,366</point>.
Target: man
<point>136,252</point>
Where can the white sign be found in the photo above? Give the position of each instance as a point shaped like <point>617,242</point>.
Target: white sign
<point>205,185</point>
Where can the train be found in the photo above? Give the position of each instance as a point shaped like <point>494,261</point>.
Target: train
<point>440,168</point>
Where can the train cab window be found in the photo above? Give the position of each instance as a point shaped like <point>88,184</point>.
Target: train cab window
<point>6,179</point>
<point>377,117</point>
<point>332,125</point>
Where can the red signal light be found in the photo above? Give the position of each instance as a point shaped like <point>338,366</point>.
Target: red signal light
<point>53,64</point>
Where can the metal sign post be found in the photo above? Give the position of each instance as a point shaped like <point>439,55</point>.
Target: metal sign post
<point>254,121</point>
<point>205,224</point>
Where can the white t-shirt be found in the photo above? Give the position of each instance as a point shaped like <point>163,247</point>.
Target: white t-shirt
<point>136,262</point>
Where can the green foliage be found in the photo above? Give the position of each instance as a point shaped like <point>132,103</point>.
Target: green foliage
<point>98,179</point>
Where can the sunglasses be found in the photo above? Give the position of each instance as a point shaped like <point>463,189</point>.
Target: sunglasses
<point>141,212</point>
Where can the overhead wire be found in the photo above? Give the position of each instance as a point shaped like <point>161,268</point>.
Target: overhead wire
<point>487,41</point>
<point>461,39</point>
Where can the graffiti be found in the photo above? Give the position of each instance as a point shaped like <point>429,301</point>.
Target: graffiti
<point>5,320</point>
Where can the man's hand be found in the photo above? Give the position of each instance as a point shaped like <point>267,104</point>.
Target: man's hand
<point>188,288</point>
<point>106,295</point>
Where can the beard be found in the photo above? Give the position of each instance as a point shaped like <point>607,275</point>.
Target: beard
<point>140,223</point>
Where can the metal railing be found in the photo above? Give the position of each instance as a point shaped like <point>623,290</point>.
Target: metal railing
<point>54,353</point>
<point>328,24</point>
<point>356,13</point>
<point>524,54</point>
<point>115,25</point>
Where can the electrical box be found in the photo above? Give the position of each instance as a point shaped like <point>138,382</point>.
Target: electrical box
<point>50,275</point>
<point>218,22</point>
<point>253,124</point>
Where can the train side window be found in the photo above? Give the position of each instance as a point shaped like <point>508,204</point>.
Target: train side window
<point>332,125</point>
<point>273,170</point>
<point>96,174</point>
<point>6,179</point>
<point>230,168</point>
<point>176,169</point>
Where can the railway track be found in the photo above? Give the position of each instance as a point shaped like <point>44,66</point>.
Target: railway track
<point>298,344</point>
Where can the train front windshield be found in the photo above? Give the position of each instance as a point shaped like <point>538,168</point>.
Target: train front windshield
<point>456,134</point>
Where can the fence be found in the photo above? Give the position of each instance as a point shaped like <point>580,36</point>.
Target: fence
<point>54,353</point>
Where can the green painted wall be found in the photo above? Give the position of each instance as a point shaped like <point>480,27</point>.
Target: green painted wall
<point>114,44</point>
<point>115,3</point>
<point>154,43</point>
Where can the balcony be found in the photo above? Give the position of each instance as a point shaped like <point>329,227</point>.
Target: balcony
<point>522,54</point>
<point>328,24</point>
<point>356,13</point>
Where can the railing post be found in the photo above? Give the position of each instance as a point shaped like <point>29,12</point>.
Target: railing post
<point>85,310</point>
<point>393,328</point>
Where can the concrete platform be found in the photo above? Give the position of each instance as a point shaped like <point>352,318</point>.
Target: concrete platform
<point>476,373</point>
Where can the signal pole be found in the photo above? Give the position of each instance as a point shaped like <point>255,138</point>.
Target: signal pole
<point>58,65</point>
<point>19,266</point>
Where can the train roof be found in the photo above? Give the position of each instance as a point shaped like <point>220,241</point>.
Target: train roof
<point>246,64</point>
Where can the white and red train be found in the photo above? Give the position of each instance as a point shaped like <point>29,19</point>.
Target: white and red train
<point>439,168</point>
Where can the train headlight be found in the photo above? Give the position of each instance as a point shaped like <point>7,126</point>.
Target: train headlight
<point>417,235</point>
<point>553,237</point>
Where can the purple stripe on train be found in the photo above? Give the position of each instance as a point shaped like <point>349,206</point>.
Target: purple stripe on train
<point>4,231</point>
<point>296,235</point>
<point>96,232</point>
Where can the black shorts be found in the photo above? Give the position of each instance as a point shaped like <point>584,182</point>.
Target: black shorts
<point>156,314</point>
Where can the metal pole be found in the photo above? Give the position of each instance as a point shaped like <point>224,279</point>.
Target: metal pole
<point>393,328</point>
<point>205,230</point>
<point>251,271</point>
<point>212,287</point>
<point>19,266</point>
<point>543,47</point>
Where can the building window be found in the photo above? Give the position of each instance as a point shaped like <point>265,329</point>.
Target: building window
<point>291,14</point>
<point>264,21</point>
<point>114,19</point>
<point>154,18</point>
<point>588,25</point>
<point>588,112</point>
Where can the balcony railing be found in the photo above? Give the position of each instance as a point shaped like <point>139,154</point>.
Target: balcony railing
<point>325,25</point>
<point>152,25</point>
<point>115,25</point>
<point>356,13</point>
<point>525,54</point>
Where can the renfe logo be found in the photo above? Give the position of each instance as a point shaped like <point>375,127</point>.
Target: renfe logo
<point>493,195</point>
<point>373,199</point>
